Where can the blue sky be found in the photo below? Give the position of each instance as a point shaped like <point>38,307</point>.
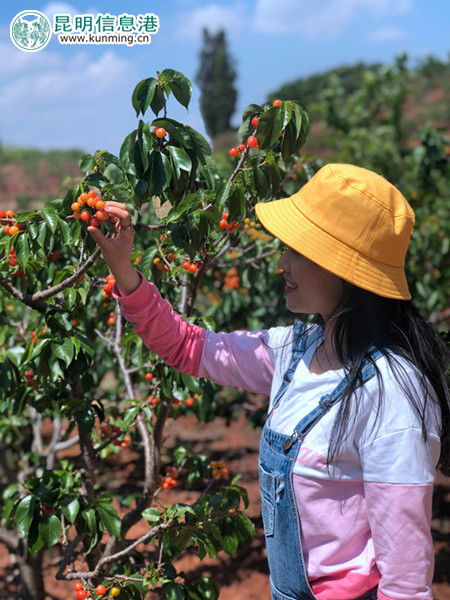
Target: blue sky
<point>79,96</point>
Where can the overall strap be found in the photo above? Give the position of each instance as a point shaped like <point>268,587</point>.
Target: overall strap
<point>329,400</point>
<point>298,349</point>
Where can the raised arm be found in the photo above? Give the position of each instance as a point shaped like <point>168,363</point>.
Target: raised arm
<point>238,359</point>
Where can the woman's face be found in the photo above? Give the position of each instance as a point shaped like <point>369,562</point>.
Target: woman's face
<point>309,288</point>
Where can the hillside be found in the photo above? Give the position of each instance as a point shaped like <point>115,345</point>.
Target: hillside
<point>29,177</point>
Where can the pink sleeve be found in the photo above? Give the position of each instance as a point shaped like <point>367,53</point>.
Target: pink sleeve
<point>400,520</point>
<point>164,332</point>
<point>239,359</point>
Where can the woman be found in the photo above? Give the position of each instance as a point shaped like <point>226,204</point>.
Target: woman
<point>359,404</point>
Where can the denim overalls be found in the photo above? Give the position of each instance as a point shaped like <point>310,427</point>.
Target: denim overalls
<point>278,453</point>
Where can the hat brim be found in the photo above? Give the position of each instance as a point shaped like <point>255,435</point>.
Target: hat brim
<point>285,221</point>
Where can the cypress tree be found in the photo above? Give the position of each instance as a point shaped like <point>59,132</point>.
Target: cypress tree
<point>215,78</point>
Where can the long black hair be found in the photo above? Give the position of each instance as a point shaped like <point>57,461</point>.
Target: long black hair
<point>395,327</point>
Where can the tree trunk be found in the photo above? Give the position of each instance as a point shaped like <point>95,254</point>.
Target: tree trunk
<point>27,571</point>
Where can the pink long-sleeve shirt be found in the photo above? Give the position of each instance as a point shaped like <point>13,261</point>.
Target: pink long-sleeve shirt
<point>365,520</point>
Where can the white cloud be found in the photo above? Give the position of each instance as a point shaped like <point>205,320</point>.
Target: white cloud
<point>59,8</point>
<point>326,19</point>
<point>49,100</point>
<point>213,17</point>
<point>53,80</point>
<point>387,34</point>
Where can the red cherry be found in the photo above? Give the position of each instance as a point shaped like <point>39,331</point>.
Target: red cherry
<point>94,222</point>
<point>277,103</point>
<point>148,376</point>
<point>241,147</point>
<point>252,142</point>
<point>234,152</point>
<point>186,265</point>
<point>81,595</point>
<point>85,215</point>
<point>100,590</point>
<point>223,224</point>
<point>255,122</point>
<point>193,268</point>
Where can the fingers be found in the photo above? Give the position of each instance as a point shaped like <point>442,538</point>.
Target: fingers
<point>118,213</point>
<point>97,235</point>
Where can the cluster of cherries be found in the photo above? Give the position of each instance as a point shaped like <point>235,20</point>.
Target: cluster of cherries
<point>107,288</point>
<point>83,593</point>
<point>218,469</point>
<point>170,480</point>
<point>191,267</point>
<point>224,224</point>
<point>12,260</point>
<point>232,280</point>
<point>189,402</point>
<point>10,226</point>
<point>89,207</point>
<point>116,431</point>
<point>252,142</point>
<point>30,380</point>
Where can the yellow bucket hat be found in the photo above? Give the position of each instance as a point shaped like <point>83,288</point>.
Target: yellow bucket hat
<point>350,221</point>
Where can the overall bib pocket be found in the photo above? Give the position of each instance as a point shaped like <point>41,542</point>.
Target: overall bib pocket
<point>271,485</point>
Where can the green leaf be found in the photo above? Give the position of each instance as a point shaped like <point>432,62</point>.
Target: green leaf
<point>70,297</point>
<point>130,414</point>
<point>222,194</point>
<point>199,143</point>
<point>25,512</point>
<point>157,102</point>
<point>42,233</point>
<point>192,384</point>
<point>64,350</point>
<point>86,163</point>
<point>176,130</point>
<point>143,133</point>
<point>143,95</point>
<point>167,386</point>
<point>208,323</point>
<point>70,508</point>
<point>22,250</point>
<point>65,231</point>
<point>151,515</point>
<point>180,160</point>
<point>173,591</point>
<point>51,217</point>
<point>137,353</point>
<point>260,182</point>
<point>252,110</point>
<point>50,530</point>
<point>90,519</point>
<point>269,128</point>
<point>180,85</point>
<point>147,260</point>
<point>160,174</point>
<point>127,153</point>
<point>110,518</point>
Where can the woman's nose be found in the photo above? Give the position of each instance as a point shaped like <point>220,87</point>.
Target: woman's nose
<point>282,263</point>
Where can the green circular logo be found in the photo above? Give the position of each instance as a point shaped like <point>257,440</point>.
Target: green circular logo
<point>30,31</point>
